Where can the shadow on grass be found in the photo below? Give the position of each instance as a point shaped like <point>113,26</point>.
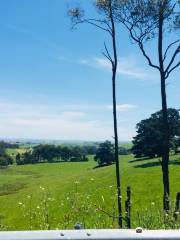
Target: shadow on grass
<point>101,166</point>
<point>55,161</point>
<point>139,159</point>
<point>157,163</point>
<point>7,189</point>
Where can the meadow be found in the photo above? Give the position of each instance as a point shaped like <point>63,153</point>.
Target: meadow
<point>58,195</point>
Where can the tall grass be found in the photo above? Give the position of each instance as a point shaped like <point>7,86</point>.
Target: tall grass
<point>76,207</point>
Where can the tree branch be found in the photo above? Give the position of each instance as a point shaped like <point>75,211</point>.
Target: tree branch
<point>172,60</point>
<point>141,46</point>
<point>107,54</point>
<point>168,72</point>
<point>92,23</point>
<point>167,49</point>
<point>138,40</point>
<point>147,57</point>
<point>101,22</point>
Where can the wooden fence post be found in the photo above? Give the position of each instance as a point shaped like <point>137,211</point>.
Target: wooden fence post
<point>176,210</point>
<point>128,208</point>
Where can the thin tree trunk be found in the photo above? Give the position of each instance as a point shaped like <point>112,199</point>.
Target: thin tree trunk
<point>114,70</point>
<point>165,152</point>
<point>165,125</point>
<point>117,155</point>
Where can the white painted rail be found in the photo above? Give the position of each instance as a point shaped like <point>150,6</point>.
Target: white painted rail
<point>109,234</point>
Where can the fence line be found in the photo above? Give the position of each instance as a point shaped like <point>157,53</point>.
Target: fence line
<point>109,234</point>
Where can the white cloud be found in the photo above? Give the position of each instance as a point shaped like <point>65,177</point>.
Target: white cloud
<point>54,120</point>
<point>122,107</point>
<point>62,122</point>
<point>127,66</point>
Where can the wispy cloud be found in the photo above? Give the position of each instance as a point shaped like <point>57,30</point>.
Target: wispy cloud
<point>127,66</point>
<point>84,61</point>
<point>122,107</point>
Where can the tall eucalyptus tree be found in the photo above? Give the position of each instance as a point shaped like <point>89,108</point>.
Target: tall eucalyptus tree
<point>106,22</point>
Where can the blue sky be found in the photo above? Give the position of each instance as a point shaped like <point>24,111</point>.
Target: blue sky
<point>55,83</point>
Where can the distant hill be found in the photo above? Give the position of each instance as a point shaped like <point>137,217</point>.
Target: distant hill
<point>30,141</point>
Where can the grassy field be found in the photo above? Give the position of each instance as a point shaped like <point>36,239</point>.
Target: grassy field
<point>57,195</point>
<point>13,151</point>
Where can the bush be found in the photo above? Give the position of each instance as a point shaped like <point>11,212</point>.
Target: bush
<point>5,160</point>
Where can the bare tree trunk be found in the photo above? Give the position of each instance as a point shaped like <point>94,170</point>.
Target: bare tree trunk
<point>165,125</point>
<point>117,154</point>
<point>114,70</point>
<point>165,152</point>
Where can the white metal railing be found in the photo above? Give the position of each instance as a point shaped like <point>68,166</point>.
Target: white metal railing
<point>105,234</point>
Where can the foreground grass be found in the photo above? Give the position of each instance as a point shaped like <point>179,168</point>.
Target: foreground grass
<point>49,196</point>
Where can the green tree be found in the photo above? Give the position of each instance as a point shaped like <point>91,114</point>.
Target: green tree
<point>66,153</point>
<point>27,157</point>
<point>105,154</point>
<point>90,149</point>
<point>149,139</point>
<point>45,152</point>
<point>77,153</point>
<point>5,160</point>
<point>19,160</point>
<point>175,144</point>
<point>8,145</point>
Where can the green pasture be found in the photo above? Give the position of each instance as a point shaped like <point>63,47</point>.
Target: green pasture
<point>57,195</point>
<point>13,151</point>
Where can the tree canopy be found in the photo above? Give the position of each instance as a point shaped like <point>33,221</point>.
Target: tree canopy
<point>105,154</point>
<point>149,138</point>
<point>53,153</point>
<point>5,159</point>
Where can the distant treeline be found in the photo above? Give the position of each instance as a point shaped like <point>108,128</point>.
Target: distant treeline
<point>124,151</point>
<point>52,153</point>
<point>4,145</point>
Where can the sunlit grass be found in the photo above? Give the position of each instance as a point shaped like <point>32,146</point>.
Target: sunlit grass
<point>58,195</point>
